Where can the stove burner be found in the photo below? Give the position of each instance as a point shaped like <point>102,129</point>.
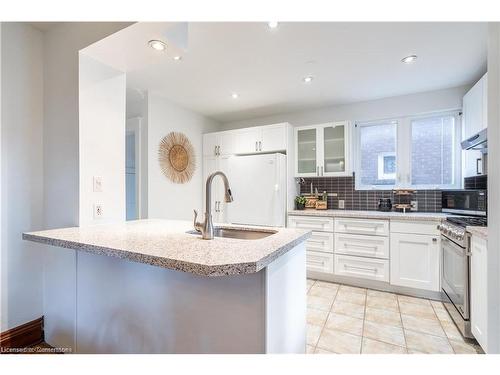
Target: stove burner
<point>468,221</point>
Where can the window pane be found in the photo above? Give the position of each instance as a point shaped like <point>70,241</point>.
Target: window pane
<point>378,154</point>
<point>432,152</point>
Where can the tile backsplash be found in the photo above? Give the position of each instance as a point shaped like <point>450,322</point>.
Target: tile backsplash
<point>428,200</point>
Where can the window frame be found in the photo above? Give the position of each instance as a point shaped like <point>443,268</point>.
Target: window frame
<point>404,152</point>
<point>381,175</point>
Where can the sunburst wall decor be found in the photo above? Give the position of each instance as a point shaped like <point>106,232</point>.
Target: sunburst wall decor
<point>177,158</point>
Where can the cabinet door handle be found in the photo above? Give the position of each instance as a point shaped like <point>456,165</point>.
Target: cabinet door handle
<point>321,170</point>
<point>215,150</point>
<point>477,165</point>
<point>317,170</point>
<point>260,146</point>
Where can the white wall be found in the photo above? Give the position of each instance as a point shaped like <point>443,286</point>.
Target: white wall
<point>101,141</point>
<point>165,198</point>
<point>21,173</point>
<point>61,167</point>
<point>371,110</point>
<point>493,253</point>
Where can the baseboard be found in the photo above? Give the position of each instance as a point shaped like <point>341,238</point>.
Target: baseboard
<point>376,285</point>
<point>22,336</point>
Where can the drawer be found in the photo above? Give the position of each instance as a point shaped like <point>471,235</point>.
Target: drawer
<point>361,245</point>
<point>324,224</point>
<point>319,262</point>
<point>362,226</point>
<point>415,227</point>
<point>365,268</point>
<point>320,241</point>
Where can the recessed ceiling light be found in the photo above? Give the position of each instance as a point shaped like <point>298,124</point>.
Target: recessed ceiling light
<point>177,58</point>
<point>308,79</point>
<point>273,24</point>
<point>235,95</point>
<point>157,45</point>
<point>409,59</point>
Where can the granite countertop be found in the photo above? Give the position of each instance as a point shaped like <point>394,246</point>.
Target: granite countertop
<point>165,243</point>
<point>478,231</point>
<point>415,216</point>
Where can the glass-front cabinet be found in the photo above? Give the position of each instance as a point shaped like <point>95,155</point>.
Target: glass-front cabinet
<point>322,150</point>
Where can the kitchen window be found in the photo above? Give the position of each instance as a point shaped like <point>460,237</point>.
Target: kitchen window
<point>420,152</point>
<point>377,159</point>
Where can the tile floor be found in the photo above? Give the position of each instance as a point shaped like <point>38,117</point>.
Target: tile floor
<point>344,319</point>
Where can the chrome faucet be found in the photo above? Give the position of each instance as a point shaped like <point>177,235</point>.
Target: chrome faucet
<point>206,228</point>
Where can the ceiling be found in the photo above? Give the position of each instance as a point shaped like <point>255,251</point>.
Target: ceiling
<point>350,62</point>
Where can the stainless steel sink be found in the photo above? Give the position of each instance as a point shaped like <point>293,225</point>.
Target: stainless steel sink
<point>239,234</point>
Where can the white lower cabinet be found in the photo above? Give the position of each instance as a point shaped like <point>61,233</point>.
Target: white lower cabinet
<point>478,291</point>
<point>323,224</point>
<point>415,261</point>
<point>401,253</point>
<point>360,245</point>
<point>319,262</point>
<point>365,268</point>
<point>320,241</point>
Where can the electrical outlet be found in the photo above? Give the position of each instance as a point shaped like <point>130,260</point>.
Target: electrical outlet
<point>97,184</point>
<point>413,205</point>
<point>341,204</point>
<point>98,212</point>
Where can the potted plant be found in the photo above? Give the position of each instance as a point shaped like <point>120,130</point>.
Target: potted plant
<point>300,202</point>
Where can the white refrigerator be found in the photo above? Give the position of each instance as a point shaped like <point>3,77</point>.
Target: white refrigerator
<point>258,184</point>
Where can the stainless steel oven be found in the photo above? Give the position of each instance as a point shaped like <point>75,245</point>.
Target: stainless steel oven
<point>455,247</point>
<point>455,282</point>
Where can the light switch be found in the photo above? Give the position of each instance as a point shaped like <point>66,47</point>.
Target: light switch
<point>341,204</point>
<point>97,184</point>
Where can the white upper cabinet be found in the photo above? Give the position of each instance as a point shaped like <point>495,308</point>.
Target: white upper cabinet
<point>247,140</point>
<point>322,150</point>
<point>261,139</point>
<point>274,138</point>
<point>210,144</point>
<point>217,144</point>
<point>474,119</point>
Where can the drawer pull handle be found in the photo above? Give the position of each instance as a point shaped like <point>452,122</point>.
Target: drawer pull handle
<point>310,261</point>
<point>310,240</point>
<point>361,229</point>
<point>374,270</point>
<point>374,248</point>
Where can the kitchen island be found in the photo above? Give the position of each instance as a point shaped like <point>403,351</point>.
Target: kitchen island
<point>151,286</point>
